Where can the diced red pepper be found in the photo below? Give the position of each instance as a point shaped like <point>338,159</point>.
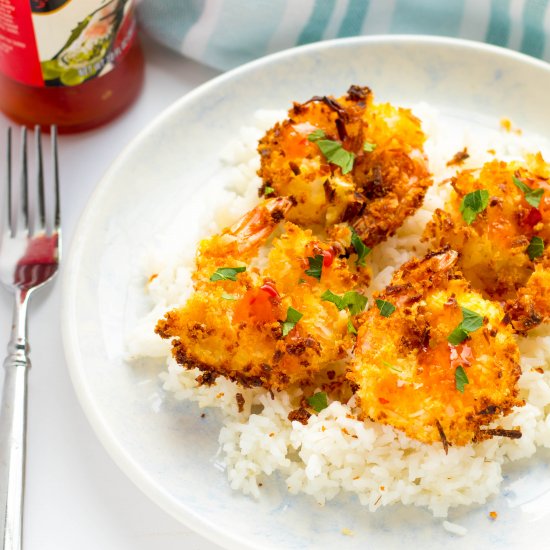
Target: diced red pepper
<point>328,258</point>
<point>270,289</point>
<point>533,217</point>
<point>383,401</point>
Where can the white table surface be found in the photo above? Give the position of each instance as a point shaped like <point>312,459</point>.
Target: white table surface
<point>76,497</point>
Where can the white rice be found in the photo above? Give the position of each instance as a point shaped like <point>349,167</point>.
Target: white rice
<point>335,452</point>
<point>454,528</point>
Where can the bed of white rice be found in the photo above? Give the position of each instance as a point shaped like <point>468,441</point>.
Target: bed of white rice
<point>335,452</point>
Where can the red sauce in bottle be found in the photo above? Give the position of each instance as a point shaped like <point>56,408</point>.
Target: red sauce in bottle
<point>90,74</point>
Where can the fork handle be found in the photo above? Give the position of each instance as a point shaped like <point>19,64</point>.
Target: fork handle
<point>13,427</point>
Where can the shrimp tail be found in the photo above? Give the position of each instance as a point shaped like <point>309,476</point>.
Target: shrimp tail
<point>243,239</point>
<point>252,230</point>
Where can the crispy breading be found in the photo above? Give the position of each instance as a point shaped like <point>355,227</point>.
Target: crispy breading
<point>406,369</point>
<point>494,249</point>
<point>389,177</point>
<point>236,328</point>
<point>532,305</point>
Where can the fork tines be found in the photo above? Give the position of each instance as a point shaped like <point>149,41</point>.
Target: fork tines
<point>26,205</point>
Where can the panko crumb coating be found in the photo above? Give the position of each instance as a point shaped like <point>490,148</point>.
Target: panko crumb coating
<point>388,177</point>
<point>496,251</point>
<point>409,376</point>
<point>236,328</point>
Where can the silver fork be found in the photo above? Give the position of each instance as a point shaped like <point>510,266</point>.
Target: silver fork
<point>30,245</point>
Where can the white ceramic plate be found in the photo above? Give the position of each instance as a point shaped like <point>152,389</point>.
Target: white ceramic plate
<point>164,446</point>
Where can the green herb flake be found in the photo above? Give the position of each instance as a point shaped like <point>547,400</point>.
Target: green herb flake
<point>268,190</point>
<point>473,204</point>
<point>386,309</point>
<point>460,379</point>
<point>226,296</point>
<point>351,300</point>
<point>316,135</point>
<point>532,196</point>
<point>351,328</point>
<point>318,401</point>
<point>360,247</point>
<point>292,317</point>
<point>471,321</point>
<point>329,296</point>
<point>369,147</point>
<point>226,273</point>
<point>535,248</point>
<point>301,281</point>
<point>336,154</point>
<point>315,266</point>
<point>355,302</point>
<point>457,336</point>
<point>333,151</point>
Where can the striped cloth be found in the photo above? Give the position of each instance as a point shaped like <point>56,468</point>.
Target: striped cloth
<point>227,33</point>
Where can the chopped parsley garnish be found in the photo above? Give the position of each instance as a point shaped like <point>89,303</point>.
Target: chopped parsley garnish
<point>329,296</point>
<point>360,247</point>
<point>386,309</point>
<point>227,273</point>
<point>355,302</point>
<point>532,196</point>
<point>369,147</point>
<point>226,296</point>
<point>292,317</point>
<point>457,336</point>
<point>460,379</point>
<point>471,321</point>
<point>473,204</point>
<point>352,300</point>
<point>268,190</point>
<point>333,151</point>
<point>318,401</point>
<point>535,248</point>
<point>315,266</point>
<point>351,328</point>
<point>316,135</point>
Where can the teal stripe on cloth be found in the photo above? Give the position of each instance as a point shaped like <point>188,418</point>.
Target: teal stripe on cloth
<point>353,20</point>
<point>498,32</point>
<point>318,21</point>
<point>421,17</point>
<point>257,22</point>
<point>169,22</point>
<point>232,32</point>
<point>533,40</point>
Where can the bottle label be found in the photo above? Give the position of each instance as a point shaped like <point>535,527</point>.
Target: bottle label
<point>63,42</point>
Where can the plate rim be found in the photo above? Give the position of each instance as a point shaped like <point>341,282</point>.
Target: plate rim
<point>101,429</point>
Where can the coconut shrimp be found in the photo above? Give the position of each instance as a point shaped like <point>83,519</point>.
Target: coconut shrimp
<point>441,366</point>
<point>504,249</point>
<point>347,159</point>
<point>263,321</point>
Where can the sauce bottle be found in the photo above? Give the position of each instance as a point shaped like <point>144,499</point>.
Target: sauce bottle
<point>73,63</point>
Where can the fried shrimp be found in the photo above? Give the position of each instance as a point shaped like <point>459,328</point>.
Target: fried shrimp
<point>263,322</point>
<point>240,242</point>
<point>498,219</point>
<point>441,366</point>
<point>349,160</point>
